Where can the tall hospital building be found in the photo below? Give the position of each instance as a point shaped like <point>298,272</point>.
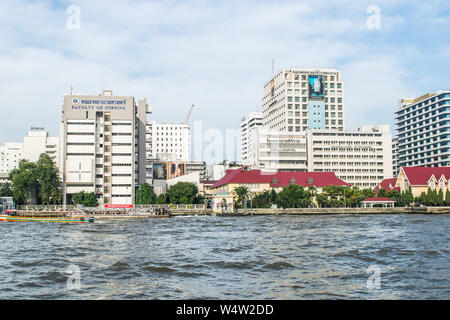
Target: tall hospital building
<point>103,146</point>
<point>302,129</point>
<point>297,99</point>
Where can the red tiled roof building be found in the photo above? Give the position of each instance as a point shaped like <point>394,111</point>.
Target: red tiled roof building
<point>419,179</point>
<point>258,181</point>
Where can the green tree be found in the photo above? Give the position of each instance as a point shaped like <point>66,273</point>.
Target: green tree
<point>145,195</point>
<point>242,193</point>
<point>78,198</point>
<point>294,196</point>
<point>5,190</point>
<point>262,200</point>
<point>440,198</point>
<point>48,179</point>
<point>183,193</point>
<point>382,193</point>
<point>322,200</point>
<point>432,197</point>
<point>24,183</point>
<point>85,199</point>
<point>447,198</point>
<point>161,199</point>
<point>396,196</point>
<point>273,196</point>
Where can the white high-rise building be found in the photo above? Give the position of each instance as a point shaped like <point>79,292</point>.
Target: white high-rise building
<point>297,99</point>
<point>10,155</point>
<point>423,139</point>
<point>103,146</point>
<point>395,168</point>
<point>361,158</point>
<point>38,141</point>
<point>166,142</point>
<point>251,121</point>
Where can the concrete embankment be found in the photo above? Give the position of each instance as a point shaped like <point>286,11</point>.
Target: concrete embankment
<point>324,211</point>
<point>294,211</point>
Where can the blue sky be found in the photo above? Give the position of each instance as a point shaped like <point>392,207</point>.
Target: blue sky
<point>215,54</point>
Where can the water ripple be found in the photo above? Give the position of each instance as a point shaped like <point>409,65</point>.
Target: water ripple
<point>285,257</point>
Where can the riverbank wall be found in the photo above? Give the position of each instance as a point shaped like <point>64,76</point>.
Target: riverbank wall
<point>323,211</point>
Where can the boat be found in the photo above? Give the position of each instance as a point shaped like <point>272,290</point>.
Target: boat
<point>45,216</point>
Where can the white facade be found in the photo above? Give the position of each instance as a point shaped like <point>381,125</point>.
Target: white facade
<point>38,141</point>
<point>10,156</point>
<point>251,121</point>
<point>361,158</point>
<point>168,141</point>
<point>395,167</point>
<point>103,146</point>
<point>297,99</point>
<point>274,150</point>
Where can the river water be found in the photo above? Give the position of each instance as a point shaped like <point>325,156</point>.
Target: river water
<point>263,257</point>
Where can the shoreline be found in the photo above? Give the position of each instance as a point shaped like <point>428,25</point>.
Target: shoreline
<point>292,211</point>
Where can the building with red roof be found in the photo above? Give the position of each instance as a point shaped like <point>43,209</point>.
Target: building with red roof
<point>259,181</point>
<point>419,179</point>
<point>388,185</point>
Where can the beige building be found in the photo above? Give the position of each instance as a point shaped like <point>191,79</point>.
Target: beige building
<point>362,158</point>
<point>419,179</point>
<point>103,146</point>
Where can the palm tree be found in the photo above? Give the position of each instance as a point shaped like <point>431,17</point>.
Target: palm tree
<point>242,193</point>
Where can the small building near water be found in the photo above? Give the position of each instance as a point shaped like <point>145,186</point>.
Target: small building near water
<point>223,201</point>
<point>375,201</point>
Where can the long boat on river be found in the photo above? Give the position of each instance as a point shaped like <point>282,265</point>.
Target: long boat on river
<point>45,216</point>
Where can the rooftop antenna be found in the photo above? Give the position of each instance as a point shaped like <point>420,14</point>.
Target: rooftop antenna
<point>71,89</point>
<point>273,66</point>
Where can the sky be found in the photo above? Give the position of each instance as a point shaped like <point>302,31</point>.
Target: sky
<point>215,54</point>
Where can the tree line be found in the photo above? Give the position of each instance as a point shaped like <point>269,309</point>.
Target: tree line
<point>34,182</point>
<point>180,193</point>
<point>41,181</point>
<point>296,196</point>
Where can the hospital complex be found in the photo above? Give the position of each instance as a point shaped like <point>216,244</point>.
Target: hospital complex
<point>109,145</point>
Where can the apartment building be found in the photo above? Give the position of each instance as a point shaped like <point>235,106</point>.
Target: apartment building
<point>424,130</point>
<point>249,122</point>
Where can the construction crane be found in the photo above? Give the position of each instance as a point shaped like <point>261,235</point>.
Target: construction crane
<point>189,114</point>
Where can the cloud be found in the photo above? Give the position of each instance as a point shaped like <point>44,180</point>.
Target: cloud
<point>215,54</point>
